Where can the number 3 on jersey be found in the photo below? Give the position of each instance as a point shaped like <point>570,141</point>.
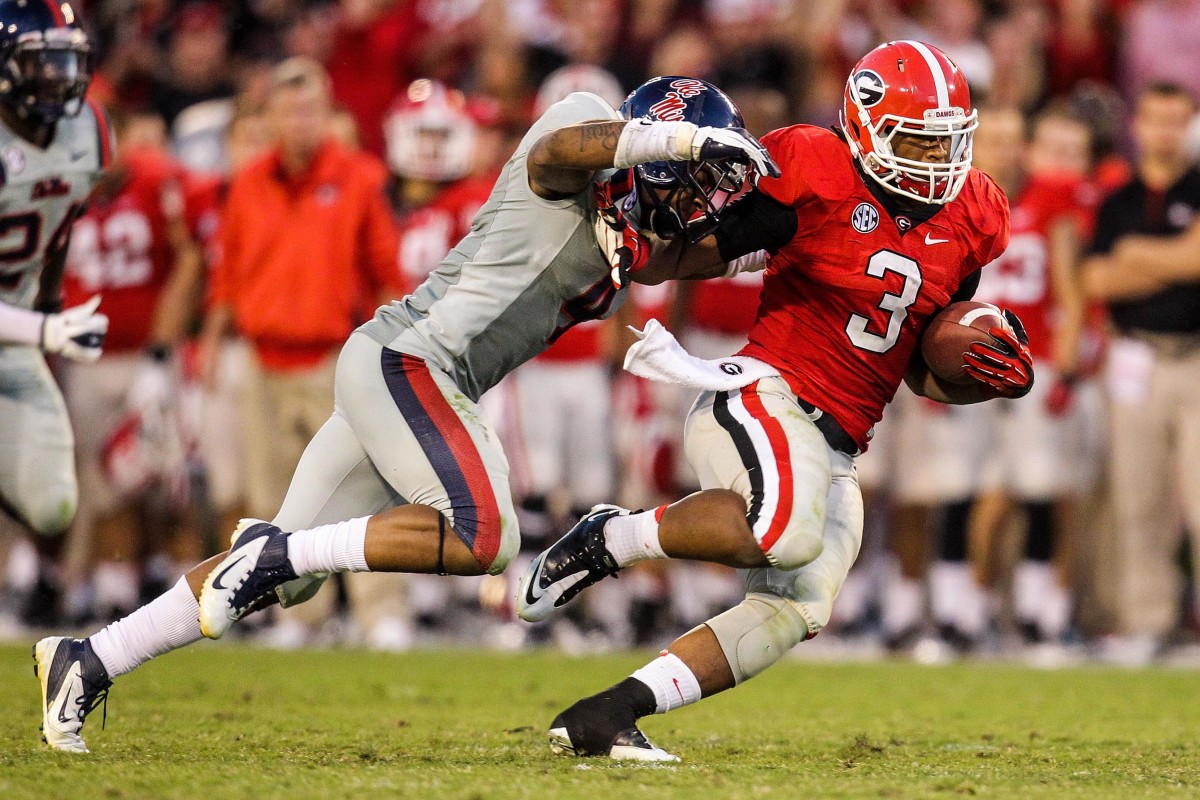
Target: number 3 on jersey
<point>896,305</point>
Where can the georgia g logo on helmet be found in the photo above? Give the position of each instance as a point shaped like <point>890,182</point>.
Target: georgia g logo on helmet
<point>870,87</point>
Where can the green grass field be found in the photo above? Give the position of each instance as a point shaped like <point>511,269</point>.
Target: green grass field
<point>233,722</point>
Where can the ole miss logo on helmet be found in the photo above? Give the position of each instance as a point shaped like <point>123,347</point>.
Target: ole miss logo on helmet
<point>671,107</point>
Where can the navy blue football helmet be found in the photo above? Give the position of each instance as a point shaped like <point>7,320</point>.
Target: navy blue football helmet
<point>675,98</point>
<point>45,59</point>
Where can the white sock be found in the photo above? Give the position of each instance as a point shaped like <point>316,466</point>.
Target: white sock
<point>634,537</point>
<point>673,684</point>
<point>1039,598</point>
<point>166,623</point>
<point>339,547</point>
<point>903,602</point>
<point>956,598</point>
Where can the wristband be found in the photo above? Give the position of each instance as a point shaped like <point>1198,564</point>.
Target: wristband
<point>643,141</point>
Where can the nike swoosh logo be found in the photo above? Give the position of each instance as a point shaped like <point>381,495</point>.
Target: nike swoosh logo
<point>677,689</point>
<point>78,154</point>
<point>532,592</point>
<point>217,580</point>
<point>73,676</point>
<point>928,240</point>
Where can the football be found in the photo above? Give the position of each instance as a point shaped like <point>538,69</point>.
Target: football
<point>952,331</point>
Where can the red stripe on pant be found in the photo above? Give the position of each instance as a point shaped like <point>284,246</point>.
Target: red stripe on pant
<point>466,456</point>
<point>781,455</point>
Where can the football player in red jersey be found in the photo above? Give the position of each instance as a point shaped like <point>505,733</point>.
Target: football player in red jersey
<point>430,151</point>
<point>871,230</point>
<point>1039,454</point>
<point>133,247</point>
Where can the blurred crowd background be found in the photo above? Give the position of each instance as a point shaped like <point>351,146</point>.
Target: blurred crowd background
<point>283,166</point>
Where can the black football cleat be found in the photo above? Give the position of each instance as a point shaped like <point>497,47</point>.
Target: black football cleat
<point>593,728</point>
<point>568,566</point>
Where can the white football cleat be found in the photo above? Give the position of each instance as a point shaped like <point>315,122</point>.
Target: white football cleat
<point>74,682</point>
<point>246,578</point>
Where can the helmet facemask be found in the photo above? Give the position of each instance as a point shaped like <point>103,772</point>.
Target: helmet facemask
<point>46,74</point>
<point>712,183</point>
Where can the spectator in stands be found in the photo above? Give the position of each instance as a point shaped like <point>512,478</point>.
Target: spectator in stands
<point>1162,43</point>
<point>376,52</point>
<point>1145,266</point>
<point>197,62</point>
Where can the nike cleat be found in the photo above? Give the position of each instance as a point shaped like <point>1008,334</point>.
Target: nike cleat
<point>246,579</point>
<point>629,744</point>
<point>568,566</point>
<point>74,682</point>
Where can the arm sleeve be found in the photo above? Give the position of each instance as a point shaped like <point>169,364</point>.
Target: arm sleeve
<point>19,326</point>
<point>755,222</point>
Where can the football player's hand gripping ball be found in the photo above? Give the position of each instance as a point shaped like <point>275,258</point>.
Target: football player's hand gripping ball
<point>1006,367</point>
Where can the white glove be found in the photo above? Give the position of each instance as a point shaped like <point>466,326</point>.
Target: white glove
<point>733,144</point>
<point>77,333</point>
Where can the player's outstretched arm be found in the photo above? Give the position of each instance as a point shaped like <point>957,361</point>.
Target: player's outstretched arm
<point>562,162</point>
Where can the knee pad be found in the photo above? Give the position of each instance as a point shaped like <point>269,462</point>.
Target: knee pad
<point>757,632</point>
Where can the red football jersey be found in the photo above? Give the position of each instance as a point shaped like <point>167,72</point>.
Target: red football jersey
<point>1021,279</point>
<point>204,199</point>
<point>845,301</point>
<point>120,248</point>
<point>428,233</point>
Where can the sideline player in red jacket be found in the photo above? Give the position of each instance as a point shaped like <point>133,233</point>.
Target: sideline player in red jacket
<point>872,230</point>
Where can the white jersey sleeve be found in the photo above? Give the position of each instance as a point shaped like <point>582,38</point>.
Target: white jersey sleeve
<point>529,269</point>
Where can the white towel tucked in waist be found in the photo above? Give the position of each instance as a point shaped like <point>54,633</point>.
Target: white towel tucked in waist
<point>659,357</point>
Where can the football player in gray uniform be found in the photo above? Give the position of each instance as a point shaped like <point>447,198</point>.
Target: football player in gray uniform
<point>53,145</point>
<point>407,475</point>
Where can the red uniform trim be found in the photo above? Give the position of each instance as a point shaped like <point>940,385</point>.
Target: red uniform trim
<point>60,21</point>
<point>486,533</point>
<point>781,454</point>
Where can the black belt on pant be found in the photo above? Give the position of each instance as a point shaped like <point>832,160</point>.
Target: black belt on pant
<point>837,438</point>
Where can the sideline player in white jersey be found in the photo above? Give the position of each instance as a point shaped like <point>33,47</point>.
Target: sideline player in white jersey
<point>53,145</point>
<point>557,243</point>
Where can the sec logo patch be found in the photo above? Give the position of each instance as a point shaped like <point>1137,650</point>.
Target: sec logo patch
<point>865,218</point>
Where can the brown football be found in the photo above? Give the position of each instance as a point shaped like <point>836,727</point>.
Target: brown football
<point>954,329</point>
